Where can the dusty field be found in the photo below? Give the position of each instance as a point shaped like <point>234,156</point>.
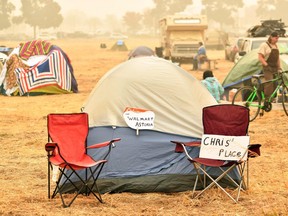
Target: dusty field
<point>23,166</point>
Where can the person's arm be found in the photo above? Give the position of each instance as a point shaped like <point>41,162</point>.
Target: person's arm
<point>262,59</point>
<point>220,88</point>
<point>261,54</point>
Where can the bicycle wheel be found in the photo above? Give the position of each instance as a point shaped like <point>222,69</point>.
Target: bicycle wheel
<point>284,92</point>
<point>248,97</point>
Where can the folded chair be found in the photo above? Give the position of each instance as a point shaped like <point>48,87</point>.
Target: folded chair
<point>226,120</point>
<point>67,150</point>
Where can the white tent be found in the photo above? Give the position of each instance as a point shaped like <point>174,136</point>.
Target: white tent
<point>151,83</point>
<point>146,161</point>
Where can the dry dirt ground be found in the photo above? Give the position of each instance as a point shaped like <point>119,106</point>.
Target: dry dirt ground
<point>23,165</point>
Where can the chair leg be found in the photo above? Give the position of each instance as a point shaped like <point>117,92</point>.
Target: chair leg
<point>239,168</point>
<point>196,166</point>
<point>49,167</point>
<point>58,187</point>
<point>239,190</point>
<point>247,184</point>
<point>95,183</point>
<point>242,181</point>
<point>204,177</point>
<point>84,184</point>
<point>195,185</point>
<point>198,176</point>
<point>215,182</point>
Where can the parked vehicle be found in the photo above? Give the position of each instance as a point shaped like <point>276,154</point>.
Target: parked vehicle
<point>3,58</point>
<point>232,49</point>
<point>216,39</point>
<point>4,52</point>
<point>251,43</point>
<point>118,36</point>
<point>267,27</point>
<point>47,36</point>
<point>180,36</point>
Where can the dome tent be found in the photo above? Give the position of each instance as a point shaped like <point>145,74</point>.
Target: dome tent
<point>141,51</point>
<point>146,161</point>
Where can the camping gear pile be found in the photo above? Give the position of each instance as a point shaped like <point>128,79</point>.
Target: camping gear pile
<point>266,28</point>
<point>37,67</point>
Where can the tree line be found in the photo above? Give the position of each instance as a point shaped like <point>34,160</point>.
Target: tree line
<point>42,14</point>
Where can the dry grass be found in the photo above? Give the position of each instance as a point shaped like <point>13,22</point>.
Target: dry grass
<point>23,166</point>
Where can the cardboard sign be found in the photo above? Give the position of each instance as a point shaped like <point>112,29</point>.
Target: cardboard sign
<point>224,147</point>
<point>137,118</point>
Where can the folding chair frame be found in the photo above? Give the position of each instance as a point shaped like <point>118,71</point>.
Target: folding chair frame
<point>240,165</point>
<point>201,163</point>
<point>92,171</point>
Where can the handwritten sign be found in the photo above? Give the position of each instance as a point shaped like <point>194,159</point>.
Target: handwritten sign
<point>224,147</point>
<point>137,118</point>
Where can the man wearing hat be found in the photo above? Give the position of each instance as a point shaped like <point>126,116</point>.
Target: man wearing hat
<point>269,57</point>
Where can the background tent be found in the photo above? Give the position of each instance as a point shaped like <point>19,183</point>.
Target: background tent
<point>141,51</point>
<point>147,162</point>
<point>37,67</point>
<point>119,46</point>
<point>247,66</point>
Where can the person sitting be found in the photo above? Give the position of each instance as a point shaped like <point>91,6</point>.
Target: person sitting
<point>212,84</point>
<point>200,57</point>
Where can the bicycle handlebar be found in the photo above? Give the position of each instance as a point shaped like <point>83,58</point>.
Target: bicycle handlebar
<point>283,71</point>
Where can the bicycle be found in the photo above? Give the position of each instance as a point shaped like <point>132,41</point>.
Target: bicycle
<point>253,96</point>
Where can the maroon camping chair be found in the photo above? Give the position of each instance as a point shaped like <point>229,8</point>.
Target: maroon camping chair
<point>67,150</point>
<point>226,120</point>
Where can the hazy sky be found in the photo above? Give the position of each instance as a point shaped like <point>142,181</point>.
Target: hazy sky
<point>102,8</point>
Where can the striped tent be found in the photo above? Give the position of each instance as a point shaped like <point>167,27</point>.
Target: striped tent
<point>37,67</point>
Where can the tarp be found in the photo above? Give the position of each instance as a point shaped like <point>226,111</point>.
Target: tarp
<point>119,46</point>
<point>37,67</point>
<point>146,161</point>
<point>247,66</point>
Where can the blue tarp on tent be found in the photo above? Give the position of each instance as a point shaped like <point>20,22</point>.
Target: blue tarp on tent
<point>147,162</point>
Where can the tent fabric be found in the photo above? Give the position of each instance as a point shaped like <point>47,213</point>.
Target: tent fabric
<point>150,83</point>
<point>36,47</point>
<point>27,70</point>
<point>52,71</point>
<point>247,66</point>
<point>141,51</point>
<point>119,46</point>
<point>146,161</point>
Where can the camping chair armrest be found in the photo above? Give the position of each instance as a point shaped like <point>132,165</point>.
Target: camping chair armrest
<point>193,143</point>
<point>50,147</point>
<point>179,145</point>
<point>53,149</point>
<point>254,150</point>
<point>103,144</point>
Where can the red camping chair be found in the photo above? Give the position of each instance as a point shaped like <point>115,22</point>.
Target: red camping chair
<point>66,149</point>
<point>227,120</point>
